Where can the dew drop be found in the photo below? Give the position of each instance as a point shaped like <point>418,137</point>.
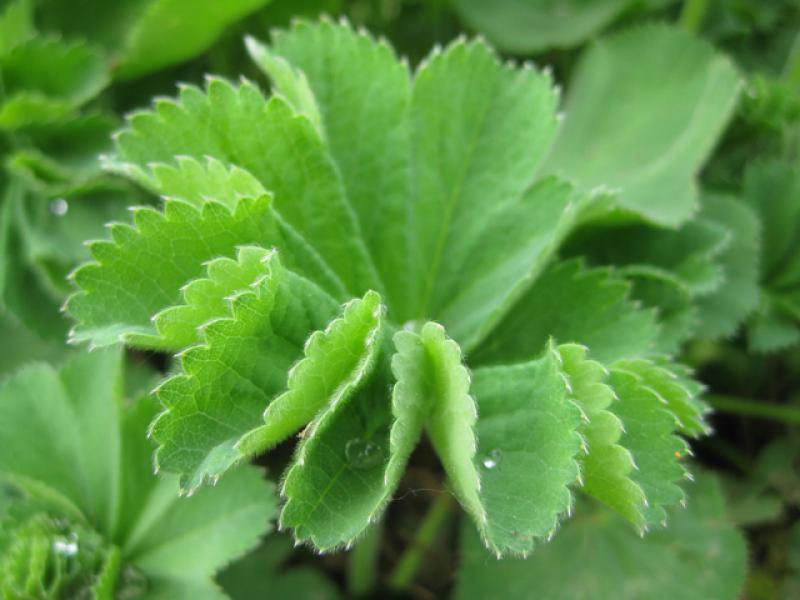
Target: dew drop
<point>59,207</point>
<point>66,546</point>
<point>492,460</point>
<point>363,454</point>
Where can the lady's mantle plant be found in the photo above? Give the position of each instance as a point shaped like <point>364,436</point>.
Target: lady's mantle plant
<point>370,254</point>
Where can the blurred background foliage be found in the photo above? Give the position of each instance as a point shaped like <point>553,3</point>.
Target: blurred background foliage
<point>70,70</point>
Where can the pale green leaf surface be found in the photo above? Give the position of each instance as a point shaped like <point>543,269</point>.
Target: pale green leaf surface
<point>479,130</point>
<point>75,412</point>
<point>528,446</point>
<point>362,94</point>
<point>452,417</point>
<point>507,256</point>
<point>530,26</point>
<point>701,555</point>
<point>572,304</point>
<point>192,538</point>
<point>239,127</point>
<point>16,25</point>
<point>168,32</point>
<point>644,110</point>
<point>70,414</point>
<point>227,381</point>
<point>721,312</point>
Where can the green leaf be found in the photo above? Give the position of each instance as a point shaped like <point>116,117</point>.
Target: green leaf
<point>110,498</point>
<point>16,25</point>
<point>239,127</point>
<point>357,92</point>
<point>674,389</point>
<point>207,299</point>
<point>452,417</point>
<point>336,361</point>
<point>649,435</point>
<point>721,312</point>
<point>168,32</point>
<point>261,574</point>
<point>336,486</point>
<point>531,26</point>
<point>572,304</point>
<point>690,253</point>
<point>528,446</point>
<point>606,466</point>
<point>645,109</point>
<point>772,190</point>
<point>701,555</point>
<point>479,130</point>
<point>45,78</point>
<point>71,413</point>
<point>250,349</point>
<point>664,292</point>
<point>142,270</point>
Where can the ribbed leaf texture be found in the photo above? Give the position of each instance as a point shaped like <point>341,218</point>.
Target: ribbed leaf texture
<point>370,255</point>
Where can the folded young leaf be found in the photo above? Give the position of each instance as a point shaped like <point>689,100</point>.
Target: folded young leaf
<point>645,109</point>
<point>102,517</point>
<point>250,349</point>
<point>650,435</point>
<point>701,555</point>
<point>606,466</point>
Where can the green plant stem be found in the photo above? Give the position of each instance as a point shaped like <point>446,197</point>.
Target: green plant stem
<point>362,565</point>
<point>407,568</point>
<point>743,406</point>
<point>692,15</point>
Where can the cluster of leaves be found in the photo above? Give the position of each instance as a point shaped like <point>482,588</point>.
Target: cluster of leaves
<point>356,254</point>
<point>429,201</point>
<point>83,517</point>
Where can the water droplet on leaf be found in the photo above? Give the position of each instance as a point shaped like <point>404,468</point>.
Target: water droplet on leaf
<point>59,207</point>
<point>363,454</point>
<point>491,460</point>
